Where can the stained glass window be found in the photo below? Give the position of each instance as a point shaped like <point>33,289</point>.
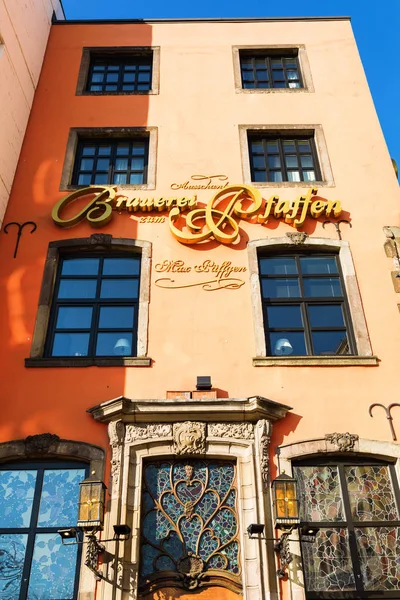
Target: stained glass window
<point>357,548</point>
<point>189,522</point>
<point>36,501</point>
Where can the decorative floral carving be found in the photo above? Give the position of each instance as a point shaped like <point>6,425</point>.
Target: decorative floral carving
<point>41,443</point>
<point>190,437</point>
<point>116,432</point>
<point>344,441</point>
<point>141,432</point>
<point>264,432</point>
<point>191,567</point>
<point>243,431</point>
<point>297,237</point>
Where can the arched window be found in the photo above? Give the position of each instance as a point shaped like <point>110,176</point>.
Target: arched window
<point>37,499</point>
<point>355,505</point>
<point>189,525</point>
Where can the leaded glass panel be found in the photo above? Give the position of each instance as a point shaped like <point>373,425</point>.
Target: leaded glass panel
<point>319,493</point>
<point>370,493</point>
<point>189,509</point>
<point>379,553</point>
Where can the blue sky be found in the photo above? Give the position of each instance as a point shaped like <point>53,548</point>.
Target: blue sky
<point>376,25</point>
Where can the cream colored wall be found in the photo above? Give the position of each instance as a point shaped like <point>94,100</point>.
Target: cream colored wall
<point>24,29</point>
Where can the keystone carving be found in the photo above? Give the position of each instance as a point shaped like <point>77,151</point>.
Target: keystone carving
<point>104,239</point>
<point>191,568</point>
<point>297,237</point>
<point>41,443</point>
<point>190,437</point>
<point>343,441</point>
<point>116,431</point>
<point>142,432</point>
<point>264,432</point>
<point>242,431</point>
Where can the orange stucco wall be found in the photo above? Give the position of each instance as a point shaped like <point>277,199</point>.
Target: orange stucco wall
<point>193,332</point>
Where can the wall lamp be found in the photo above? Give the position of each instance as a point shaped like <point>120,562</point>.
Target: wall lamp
<point>286,516</point>
<point>90,522</point>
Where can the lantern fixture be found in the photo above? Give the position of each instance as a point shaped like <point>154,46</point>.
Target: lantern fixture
<point>286,504</point>
<point>91,503</point>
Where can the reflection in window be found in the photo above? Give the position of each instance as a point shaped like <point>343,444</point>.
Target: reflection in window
<point>120,74</point>
<point>34,504</point>
<point>95,307</point>
<point>269,70</point>
<point>189,510</point>
<point>305,308</point>
<point>358,543</point>
<point>112,161</point>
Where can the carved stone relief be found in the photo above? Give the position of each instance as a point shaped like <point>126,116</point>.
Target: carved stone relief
<point>141,432</point>
<point>40,444</point>
<point>242,431</point>
<point>297,237</point>
<point>264,430</point>
<point>116,432</point>
<point>343,441</point>
<point>189,437</point>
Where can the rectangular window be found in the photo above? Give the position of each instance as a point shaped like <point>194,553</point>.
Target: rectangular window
<point>120,161</point>
<point>261,69</point>
<point>95,307</point>
<point>120,73</point>
<point>305,307</point>
<point>277,158</point>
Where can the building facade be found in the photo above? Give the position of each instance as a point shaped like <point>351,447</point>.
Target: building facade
<point>205,300</point>
<point>24,30</point>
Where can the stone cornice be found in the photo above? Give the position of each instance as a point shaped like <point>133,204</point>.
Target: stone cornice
<point>250,409</point>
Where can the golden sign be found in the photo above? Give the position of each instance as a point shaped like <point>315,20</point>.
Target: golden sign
<point>209,182</point>
<point>217,220</point>
<point>222,275</point>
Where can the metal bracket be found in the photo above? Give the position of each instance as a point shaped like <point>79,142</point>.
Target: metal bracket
<point>337,226</point>
<point>387,410</point>
<point>20,229</point>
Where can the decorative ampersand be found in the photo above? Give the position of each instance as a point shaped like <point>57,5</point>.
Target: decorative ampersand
<point>217,221</point>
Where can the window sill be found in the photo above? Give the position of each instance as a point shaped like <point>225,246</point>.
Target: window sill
<point>73,361</point>
<point>272,90</point>
<point>315,361</point>
<point>119,93</point>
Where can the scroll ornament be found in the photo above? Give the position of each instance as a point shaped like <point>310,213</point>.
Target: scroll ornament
<point>264,431</point>
<point>189,437</point>
<point>241,431</point>
<point>116,433</point>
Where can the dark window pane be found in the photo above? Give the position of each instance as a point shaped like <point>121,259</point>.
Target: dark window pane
<point>77,288</point>
<point>12,551</point>
<point>330,342</point>
<point>279,84</point>
<point>277,75</point>
<point>122,149</point>
<point>287,343</point>
<point>137,164</point>
<point>136,179</point>
<point>104,150</point>
<point>275,176</point>
<point>324,287</point>
<point>101,178</point>
<point>87,164</point>
<point>112,77</point>
<point>144,67</point>
<point>379,551</point>
<point>59,497</point>
<point>119,288</point>
<point>371,493</point>
<point>326,315</point>
<point>291,162</point>
<point>95,88</point>
<point>128,87</point>
<point>306,161</point>
<point>88,150</point>
<point>260,176</point>
<point>313,265</point>
<point>129,77</point>
<point>53,569</point>
<point>262,75</point>
<point>280,288</point>
<point>74,317</point>
<point>121,266</point>
<point>113,67</point>
<point>84,179</point>
<point>80,266</point>
<point>114,317</point>
<point>289,147</point>
<point>121,164</point>
<point>103,164</point>
<point>114,344</point>
<point>17,489</point>
<point>304,146</point>
<point>285,265</point>
<point>70,344</point>
<point>144,77</point>
<point>137,149</point>
<point>143,86</point>
<point>259,162</point>
<point>257,147</point>
<point>284,316</point>
<point>247,75</point>
<point>274,162</point>
<point>272,147</point>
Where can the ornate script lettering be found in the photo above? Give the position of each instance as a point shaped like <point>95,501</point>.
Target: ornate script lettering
<point>206,185</point>
<point>222,275</point>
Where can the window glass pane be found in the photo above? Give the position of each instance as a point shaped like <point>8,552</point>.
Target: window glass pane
<point>70,344</point>
<point>313,265</point>
<point>259,162</point>
<point>53,569</point>
<point>320,493</point>
<point>327,562</point>
<point>129,77</point>
<point>144,77</point>
<point>289,147</point>
<point>137,164</point>
<point>371,494</point>
<point>280,288</point>
<point>59,498</point>
<point>113,67</point>
<point>137,149</point>
<point>272,147</point>
<point>285,265</point>
<point>136,178</point>
<point>329,286</point>
<point>276,63</point>
<point>74,317</point>
<point>115,317</point>
<point>309,175</point>
<point>12,553</point>
<point>142,86</point>
<point>275,176</point>
<point>121,164</point>
<point>119,178</point>
<point>97,77</point>
<point>262,75</point>
<point>101,178</point>
<point>290,63</point>
<point>247,75</point>
<point>128,87</point>
<point>103,164</point>
<point>88,150</point>
<point>379,551</point>
<point>112,77</point>
<point>287,343</point>
<point>260,176</point>
<point>17,489</point>
<point>104,150</point>
<point>77,288</point>
<point>291,162</point>
<point>114,344</point>
<point>257,147</point>
<point>277,75</point>
<point>306,161</point>
<point>293,84</point>
<point>121,266</point>
<point>284,316</point>
<point>294,176</point>
<point>123,149</point>
<point>84,179</point>
<point>119,288</point>
<point>274,162</point>
<point>96,88</point>
<point>291,74</point>
<point>87,164</point>
<point>330,342</point>
<point>304,146</point>
<point>80,266</point>
<point>325,315</point>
